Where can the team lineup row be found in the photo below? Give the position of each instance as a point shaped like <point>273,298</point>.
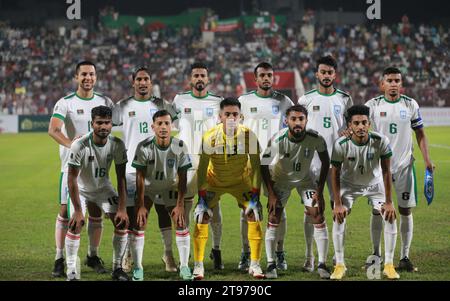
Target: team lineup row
<point>215,154</point>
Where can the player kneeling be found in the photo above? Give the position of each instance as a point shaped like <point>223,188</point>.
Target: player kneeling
<point>89,185</point>
<point>161,161</point>
<point>291,151</point>
<point>359,159</point>
<point>227,151</point>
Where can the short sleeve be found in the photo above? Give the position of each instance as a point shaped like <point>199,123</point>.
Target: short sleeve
<point>120,152</point>
<point>321,145</point>
<point>185,159</point>
<point>337,156</point>
<point>416,119</point>
<point>140,157</point>
<point>117,114</point>
<point>302,101</point>
<point>60,109</point>
<point>385,151</point>
<point>76,154</point>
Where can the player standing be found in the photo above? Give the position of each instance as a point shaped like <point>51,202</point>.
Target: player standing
<point>134,114</point>
<point>197,111</point>
<point>356,172</point>
<point>292,150</point>
<point>229,163</point>
<point>264,111</point>
<point>89,185</point>
<point>397,116</point>
<point>72,118</point>
<point>326,106</point>
<point>161,164</point>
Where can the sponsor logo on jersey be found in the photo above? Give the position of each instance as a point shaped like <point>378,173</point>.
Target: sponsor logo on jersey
<point>307,152</point>
<point>80,111</point>
<point>209,112</point>
<point>316,108</point>
<point>171,163</point>
<point>352,159</point>
<point>383,114</point>
<point>187,110</point>
<point>370,156</point>
<point>337,110</point>
<point>275,109</point>
<point>132,114</point>
<point>91,158</point>
<point>402,114</point>
<point>253,110</point>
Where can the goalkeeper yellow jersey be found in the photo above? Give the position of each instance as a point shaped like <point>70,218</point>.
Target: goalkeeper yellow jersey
<point>226,161</point>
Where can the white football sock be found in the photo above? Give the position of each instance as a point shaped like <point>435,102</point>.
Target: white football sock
<point>406,234</point>
<point>308,230</point>
<point>137,248</point>
<point>321,238</point>
<point>72,244</point>
<point>376,227</point>
<point>120,239</point>
<point>183,241</point>
<point>271,234</point>
<point>338,241</point>
<point>390,237</point>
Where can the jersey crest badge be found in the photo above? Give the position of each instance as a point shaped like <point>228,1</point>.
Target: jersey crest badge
<point>131,114</point>
<point>209,112</point>
<point>316,108</point>
<point>80,111</point>
<point>253,110</point>
<point>402,114</point>
<point>275,109</point>
<point>171,163</point>
<point>337,110</point>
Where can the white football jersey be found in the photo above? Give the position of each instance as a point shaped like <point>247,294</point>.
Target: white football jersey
<point>76,114</point>
<point>161,164</point>
<point>94,161</point>
<point>326,114</point>
<point>135,116</point>
<point>396,120</point>
<point>196,115</point>
<point>292,160</point>
<point>360,164</point>
<point>265,116</point>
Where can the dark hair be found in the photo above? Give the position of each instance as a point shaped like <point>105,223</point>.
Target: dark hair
<point>199,65</point>
<point>326,60</point>
<point>101,111</point>
<point>391,70</point>
<point>264,65</point>
<point>141,68</point>
<point>230,101</point>
<point>357,110</point>
<point>84,63</point>
<point>297,108</point>
<point>161,113</point>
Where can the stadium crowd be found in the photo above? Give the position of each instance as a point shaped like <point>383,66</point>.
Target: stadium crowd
<point>36,63</point>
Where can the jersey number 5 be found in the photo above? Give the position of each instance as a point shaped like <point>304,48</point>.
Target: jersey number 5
<point>327,122</point>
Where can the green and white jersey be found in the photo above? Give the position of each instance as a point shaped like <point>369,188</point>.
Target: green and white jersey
<point>196,115</point>
<point>94,161</point>
<point>265,116</point>
<point>326,113</point>
<point>292,160</point>
<point>75,111</point>
<point>360,164</point>
<point>161,164</point>
<point>135,116</point>
<point>396,120</point>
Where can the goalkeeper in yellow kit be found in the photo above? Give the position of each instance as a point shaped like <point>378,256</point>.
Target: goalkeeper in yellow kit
<point>229,163</point>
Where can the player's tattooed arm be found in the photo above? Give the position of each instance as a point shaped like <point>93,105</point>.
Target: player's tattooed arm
<point>76,222</point>
<point>55,131</point>
<point>388,209</point>
<point>339,211</point>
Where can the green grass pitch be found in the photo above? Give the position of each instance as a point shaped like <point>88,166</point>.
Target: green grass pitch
<point>29,173</point>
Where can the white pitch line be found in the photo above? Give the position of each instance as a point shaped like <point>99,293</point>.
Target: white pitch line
<point>440,146</point>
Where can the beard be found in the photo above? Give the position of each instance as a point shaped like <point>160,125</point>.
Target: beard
<point>200,86</point>
<point>326,85</point>
<point>265,88</point>
<point>296,134</point>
